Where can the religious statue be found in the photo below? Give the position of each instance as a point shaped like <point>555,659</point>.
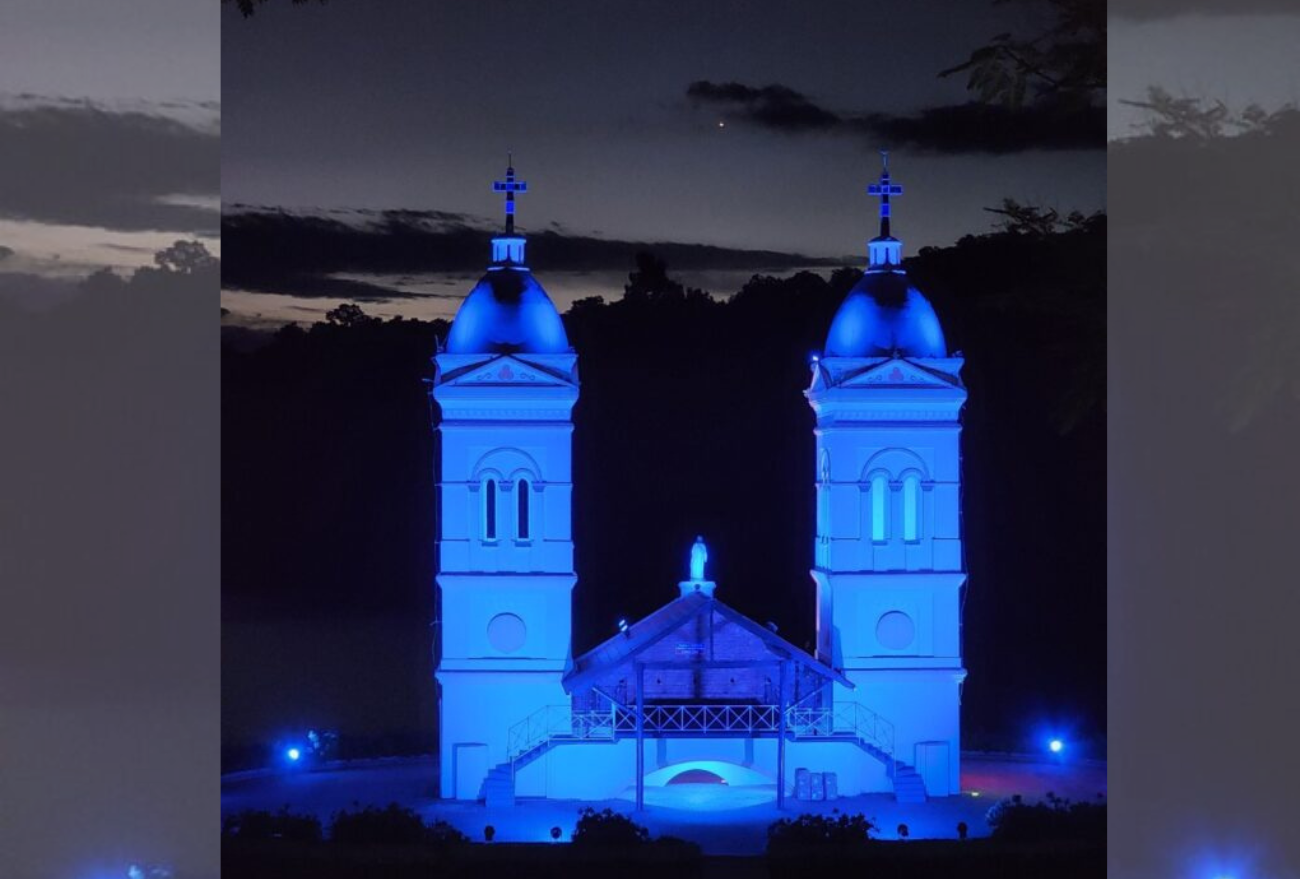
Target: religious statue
<point>699,555</point>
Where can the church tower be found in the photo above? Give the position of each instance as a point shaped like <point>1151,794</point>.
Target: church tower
<point>888,562</point>
<point>506,382</point>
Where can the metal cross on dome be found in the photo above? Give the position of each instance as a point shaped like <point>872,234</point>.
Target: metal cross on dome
<point>510,186</point>
<point>884,189</point>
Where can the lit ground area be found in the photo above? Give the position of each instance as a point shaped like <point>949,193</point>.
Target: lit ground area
<point>722,819</point>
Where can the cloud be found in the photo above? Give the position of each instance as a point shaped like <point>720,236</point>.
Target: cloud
<point>957,128</point>
<point>772,106</point>
<point>79,163</point>
<point>1145,10</point>
<point>5,252</point>
<point>268,250</point>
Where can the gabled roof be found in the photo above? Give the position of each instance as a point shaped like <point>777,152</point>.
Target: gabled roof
<point>650,630</point>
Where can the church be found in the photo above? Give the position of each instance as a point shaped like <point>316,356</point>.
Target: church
<point>696,690</point>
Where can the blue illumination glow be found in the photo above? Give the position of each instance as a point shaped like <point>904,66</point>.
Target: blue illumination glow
<point>879,511</point>
<point>622,625</point>
<point>293,754</point>
<point>699,555</point>
<point>1056,746</point>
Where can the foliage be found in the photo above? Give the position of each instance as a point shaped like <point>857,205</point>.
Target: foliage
<point>649,283</point>
<point>1199,119</point>
<point>813,831</point>
<point>248,6</point>
<point>1021,219</point>
<point>1064,61</point>
<point>489,833</point>
<point>1052,819</point>
<point>349,314</point>
<point>186,258</point>
<point>608,829</point>
<point>393,825</point>
<point>260,825</point>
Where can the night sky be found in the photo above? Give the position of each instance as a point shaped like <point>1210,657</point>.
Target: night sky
<point>413,105</point>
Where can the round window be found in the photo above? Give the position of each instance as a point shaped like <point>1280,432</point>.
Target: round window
<point>506,632</point>
<point>895,630</point>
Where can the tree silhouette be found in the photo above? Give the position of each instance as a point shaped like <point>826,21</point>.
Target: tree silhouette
<point>247,7</point>
<point>349,314</point>
<point>1064,62</point>
<point>185,258</point>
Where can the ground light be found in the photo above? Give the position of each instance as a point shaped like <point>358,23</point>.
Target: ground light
<point>1056,746</point>
<point>293,754</point>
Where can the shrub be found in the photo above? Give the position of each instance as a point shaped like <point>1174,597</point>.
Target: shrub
<point>608,828</point>
<point>555,833</point>
<point>818,830</point>
<point>961,829</point>
<point>443,835</point>
<point>1054,818</point>
<point>394,825</point>
<point>254,824</point>
<point>902,831</point>
<point>489,832</point>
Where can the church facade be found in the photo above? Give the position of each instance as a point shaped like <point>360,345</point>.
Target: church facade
<point>697,687</point>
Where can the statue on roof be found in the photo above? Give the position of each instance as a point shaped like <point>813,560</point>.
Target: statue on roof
<point>699,555</point>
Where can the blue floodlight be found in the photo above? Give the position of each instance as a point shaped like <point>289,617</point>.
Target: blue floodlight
<point>1056,746</point>
<point>622,625</point>
<point>293,754</point>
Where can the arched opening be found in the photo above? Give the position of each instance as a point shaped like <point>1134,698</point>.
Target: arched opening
<point>490,510</point>
<point>912,507</point>
<point>522,527</point>
<point>697,776</point>
<point>879,508</point>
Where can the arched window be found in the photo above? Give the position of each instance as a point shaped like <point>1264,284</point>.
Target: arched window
<point>522,526</point>
<point>912,507</point>
<point>879,508</point>
<point>490,510</point>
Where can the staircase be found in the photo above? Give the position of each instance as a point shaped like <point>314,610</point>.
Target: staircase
<point>551,725</point>
<point>538,733</point>
<point>909,787</point>
<point>853,722</point>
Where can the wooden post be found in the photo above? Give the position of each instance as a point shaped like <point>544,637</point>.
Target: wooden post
<point>640,737</point>
<point>780,740</point>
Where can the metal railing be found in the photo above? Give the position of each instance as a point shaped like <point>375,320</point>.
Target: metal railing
<point>843,718</point>
<point>706,719</point>
<point>562,723</point>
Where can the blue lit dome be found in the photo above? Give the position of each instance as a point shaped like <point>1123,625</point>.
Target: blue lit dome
<point>507,312</point>
<point>882,315</point>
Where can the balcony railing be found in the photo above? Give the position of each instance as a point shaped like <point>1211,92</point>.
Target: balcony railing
<point>561,723</point>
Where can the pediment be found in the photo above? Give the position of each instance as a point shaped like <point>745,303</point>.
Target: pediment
<point>505,369</point>
<point>896,373</point>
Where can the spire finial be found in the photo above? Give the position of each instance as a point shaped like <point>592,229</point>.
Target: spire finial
<point>884,250</point>
<point>510,186</point>
<point>509,248</point>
